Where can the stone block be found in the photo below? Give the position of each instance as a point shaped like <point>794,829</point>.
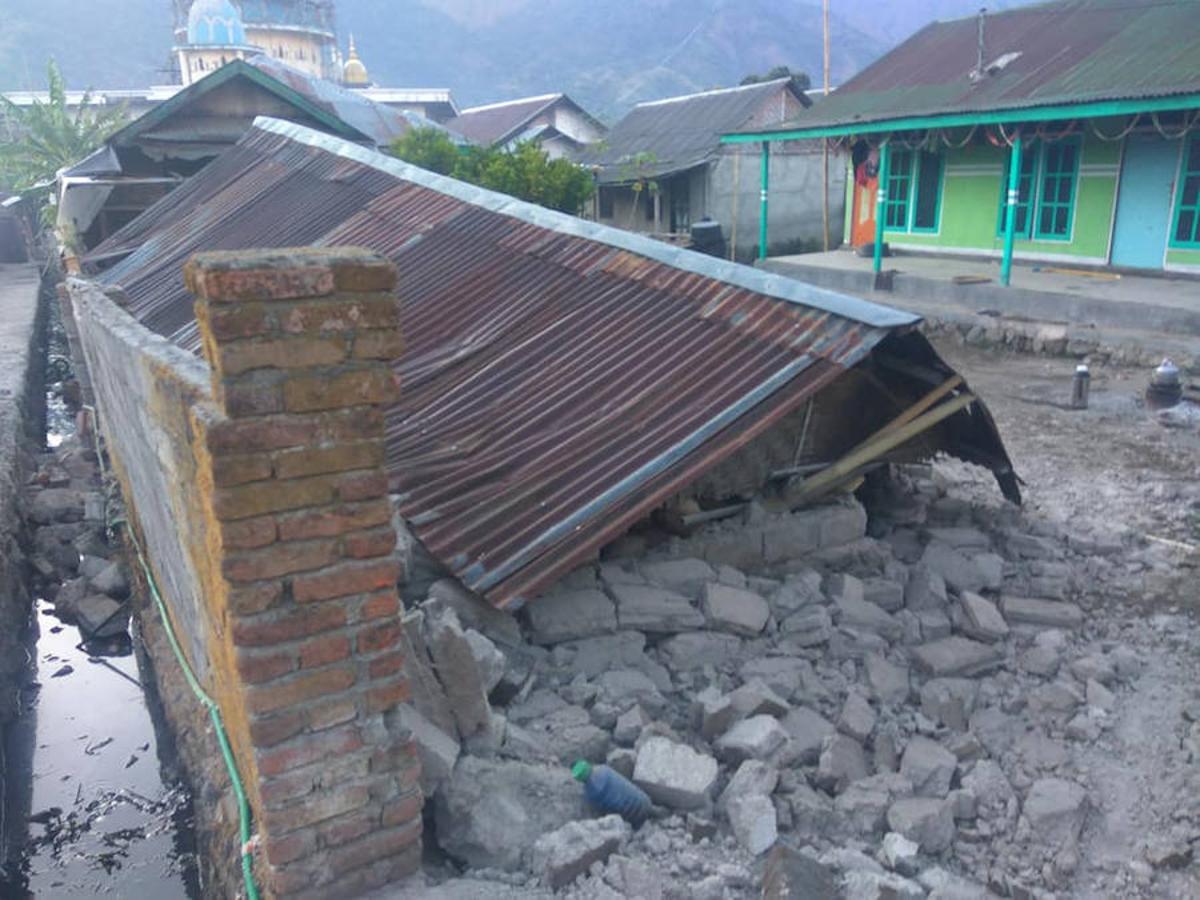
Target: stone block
<point>654,610</point>
<point>437,750</point>
<point>981,619</point>
<point>926,820</point>
<point>929,766</point>
<point>571,615</point>
<point>858,613</point>
<point>754,738</point>
<point>696,649</point>
<point>887,681</point>
<point>857,718</point>
<point>1048,613</point>
<point>674,774</point>
<point>734,610</point>
<point>959,571</point>
<point>957,656</point>
<point>807,730</point>
<point>1055,809</point>
<point>564,854</point>
<point>841,763</point>
<point>686,576</point>
<point>754,823</point>
<point>925,590</point>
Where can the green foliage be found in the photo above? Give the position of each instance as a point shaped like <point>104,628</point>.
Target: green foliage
<point>527,172</point>
<point>800,80</point>
<point>45,137</point>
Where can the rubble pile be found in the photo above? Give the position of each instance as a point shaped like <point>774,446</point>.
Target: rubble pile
<point>896,714</point>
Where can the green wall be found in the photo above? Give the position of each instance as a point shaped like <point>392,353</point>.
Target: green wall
<point>971,202</point>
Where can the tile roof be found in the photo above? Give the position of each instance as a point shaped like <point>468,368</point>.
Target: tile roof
<point>1065,52</point>
<point>561,378</point>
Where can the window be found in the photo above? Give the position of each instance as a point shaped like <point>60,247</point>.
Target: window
<point>1056,200</point>
<point>606,203</point>
<point>914,190</point>
<point>1025,181</point>
<point>1187,212</point>
<point>1045,191</point>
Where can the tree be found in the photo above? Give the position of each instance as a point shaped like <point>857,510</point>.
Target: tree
<point>48,136</point>
<point>800,80</point>
<point>527,172</point>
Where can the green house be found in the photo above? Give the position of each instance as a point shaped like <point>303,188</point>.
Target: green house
<point>1064,132</point>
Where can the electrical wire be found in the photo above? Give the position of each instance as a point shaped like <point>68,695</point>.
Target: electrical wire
<point>214,711</point>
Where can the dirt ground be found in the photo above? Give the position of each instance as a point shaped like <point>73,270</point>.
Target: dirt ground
<point>1114,470</point>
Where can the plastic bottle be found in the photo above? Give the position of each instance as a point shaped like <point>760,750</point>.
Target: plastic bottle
<point>611,791</point>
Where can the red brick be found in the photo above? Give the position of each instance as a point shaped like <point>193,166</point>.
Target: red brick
<point>301,352</point>
<point>402,809</point>
<point>282,693</point>
<point>230,284</point>
<point>262,497</point>
<point>379,637</point>
<point>299,462</point>
<point>331,713</point>
<point>254,394</point>
<point>373,384</point>
<point>374,846</point>
<point>369,274</point>
<point>248,534</point>
<point>268,433</point>
<point>232,321</point>
<point>333,520</point>
<point>267,731</point>
<point>245,600</point>
<point>290,847</point>
<point>379,606</point>
<point>324,650</point>
<point>256,668</point>
<point>316,807</point>
<point>277,560</point>
<point>309,749</point>
<point>230,471</point>
<point>351,424</point>
<point>361,486</point>
<point>379,343</point>
<point>344,580</point>
<point>385,697</point>
<point>278,628</point>
<point>386,665</point>
<point>326,774</point>
<point>343,312</point>
<point>369,544</point>
<point>349,827</point>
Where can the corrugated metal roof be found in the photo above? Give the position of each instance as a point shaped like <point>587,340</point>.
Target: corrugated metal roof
<point>561,378</point>
<point>493,123</point>
<point>661,137</point>
<point>1067,52</point>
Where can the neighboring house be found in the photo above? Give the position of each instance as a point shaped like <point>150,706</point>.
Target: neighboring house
<point>1090,108</point>
<point>175,139</point>
<point>663,167</point>
<point>555,121</point>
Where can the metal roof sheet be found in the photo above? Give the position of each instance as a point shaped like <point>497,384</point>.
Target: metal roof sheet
<point>1065,52</point>
<point>493,123</point>
<point>661,137</point>
<point>561,378</point>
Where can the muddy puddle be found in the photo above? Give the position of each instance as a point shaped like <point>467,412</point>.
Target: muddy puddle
<point>87,809</point>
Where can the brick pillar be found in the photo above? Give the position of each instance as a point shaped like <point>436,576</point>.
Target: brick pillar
<point>302,550</point>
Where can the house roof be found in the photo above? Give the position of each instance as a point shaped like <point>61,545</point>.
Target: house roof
<point>561,378</point>
<point>661,137</point>
<point>497,123</point>
<point>1055,60</point>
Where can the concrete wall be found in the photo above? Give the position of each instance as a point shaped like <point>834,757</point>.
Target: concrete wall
<point>254,482</point>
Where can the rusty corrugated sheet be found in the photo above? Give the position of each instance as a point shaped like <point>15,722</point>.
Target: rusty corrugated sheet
<point>1071,51</point>
<point>560,378</point>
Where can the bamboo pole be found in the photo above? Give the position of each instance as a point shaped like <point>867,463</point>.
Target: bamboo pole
<point>872,449</point>
<point>825,141</point>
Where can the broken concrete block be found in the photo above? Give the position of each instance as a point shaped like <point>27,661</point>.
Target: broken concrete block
<point>795,874</point>
<point>712,713</point>
<point>696,649</point>
<point>857,718</point>
<point>629,726</point>
<point>754,738</point>
<point>655,610</point>
<point>100,616</point>
<point>674,774</point>
<point>959,571</point>
<point>458,672</point>
<point>957,656</point>
<point>428,696</point>
<point>926,589</point>
<point>687,576</point>
<point>863,885</point>
<point>112,581</point>
<point>1050,613</point>
<point>1055,809</point>
<point>733,609</point>
<point>842,761</point>
<point>949,701</point>
<point>899,854</point>
<point>564,854</point>
<point>858,613</point>
<point>437,750</point>
<point>591,656</point>
<point>570,615</point>
<point>991,570</point>
<point>961,538</point>
<point>887,681</point>
<point>622,688</point>
<point>755,698</point>
<point>488,659</point>
<point>491,811</point>
<point>840,586</point>
<point>807,730</point>
<point>926,820</point>
<point>754,822</point>
<point>752,777</point>
<point>808,627</point>
<point>1099,696</point>
<point>864,803</point>
<point>929,766</point>
<point>981,619</point>
<point>474,612</point>
<point>935,624</point>
<point>888,595</point>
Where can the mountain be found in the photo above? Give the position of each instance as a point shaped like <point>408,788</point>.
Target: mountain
<point>608,54</point>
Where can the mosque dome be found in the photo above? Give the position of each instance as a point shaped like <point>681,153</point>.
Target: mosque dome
<point>354,73</point>
<point>215,22</point>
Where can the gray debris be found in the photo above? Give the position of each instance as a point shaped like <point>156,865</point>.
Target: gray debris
<point>887,681</point>
<point>101,616</point>
<point>111,581</point>
<point>1055,809</point>
<point>654,609</point>
<point>899,854</point>
<point>687,576</point>
<point>861,885</point>
<point>1050,613</point>
<point>674,774</point>
<point>696,649</point>
<point>752,777</point>
<point>475,612</point>
<point>570,615</point>
<point>929,766</point>
<point>564,854</point>
<point>959,571</point>
<point>807,730</point>
<point>842,761</point>
<point>454,662</point>
<point>794,874</point>
<point>981,619</point>
<point>857,718</point>
<point>754,821</point>
<point>957,656</point>
<point>926,589</point>
<point>926,820</point>
<point>437,750</point>
<point>735,610</point>
<point>858,613</point>
<point>489,660</point>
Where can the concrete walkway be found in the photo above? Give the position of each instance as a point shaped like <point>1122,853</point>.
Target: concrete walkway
<point>1145,305</point>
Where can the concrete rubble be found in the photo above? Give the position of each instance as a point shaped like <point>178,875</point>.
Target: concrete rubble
<point>814,712</point>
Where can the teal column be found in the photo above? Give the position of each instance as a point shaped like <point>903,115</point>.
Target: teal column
<point>1010,212</point>
<point>885,156</point>
<point>762,200</point>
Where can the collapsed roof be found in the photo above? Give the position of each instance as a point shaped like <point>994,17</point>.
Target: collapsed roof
<point>561,378</point>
